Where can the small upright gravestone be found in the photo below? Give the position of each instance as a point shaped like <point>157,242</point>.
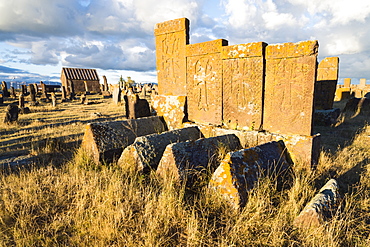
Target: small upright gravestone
<point>31,89</point>
<point>64,98</point>
<point>44,94</point>
<point>136,107</point>
<point>1,98</point>
<point>11,114</point>
<point>116,95</point>
<point>12,92</point>
<point>53,99</point>
<point>21,101</point>
<point>5,89</point>
<point>24,90</point>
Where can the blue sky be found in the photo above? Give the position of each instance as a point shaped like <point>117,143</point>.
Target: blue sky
<point>38,38</point>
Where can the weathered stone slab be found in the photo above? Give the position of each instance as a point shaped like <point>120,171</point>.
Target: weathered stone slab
<point>327,69</point>
<point>172,108</point>
<point>171,40</point>
<point>204,81</point>
<point>136,107</point>
<point>146,152</point>
<point>240,170</point>
<point>243,84</point>
<point>321,207</point>
<point>326,84</point>
<point>289,87</point>
<point>106,141</point>
<point>181,161</point>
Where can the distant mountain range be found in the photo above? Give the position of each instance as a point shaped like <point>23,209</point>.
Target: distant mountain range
<point>18,84</point>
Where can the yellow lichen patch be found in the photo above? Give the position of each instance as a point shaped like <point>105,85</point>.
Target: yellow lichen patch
<point>223,181</point>
<point>328,69</point>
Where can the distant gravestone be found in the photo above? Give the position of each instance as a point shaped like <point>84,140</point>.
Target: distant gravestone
<point>105,87</point>
<point>136,107</point>
<point>12,92</point>
<point>44,94</point>
<point>1,98</point>
<point>4,86</point>
<point>21,101</point>
<point>64,98</point>
<point>53,99</point>
<point>24,90</point>
<point>11,114</point>
<point>347,82</point>
<point>116,95</point>
<point>31,89</point>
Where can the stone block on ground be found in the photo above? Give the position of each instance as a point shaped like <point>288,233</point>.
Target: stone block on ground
<point>146,152</point>
<point>240,170</point>
<point>106,141</point>
<point>172,108</point>
<point>321,208</point>
<point>326,117</point>
<point>184,160</point>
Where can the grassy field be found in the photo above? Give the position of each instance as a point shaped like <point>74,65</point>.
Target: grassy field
<point>63,199</point>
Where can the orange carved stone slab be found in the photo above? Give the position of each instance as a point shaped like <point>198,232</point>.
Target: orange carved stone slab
<point>289,87</point>
<point>204,81</point>
<point>171,40</point>
<point>243,83</point>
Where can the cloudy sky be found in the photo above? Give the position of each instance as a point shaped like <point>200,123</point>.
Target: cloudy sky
<point>39,37</point>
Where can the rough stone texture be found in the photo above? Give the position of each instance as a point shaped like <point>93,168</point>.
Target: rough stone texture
<point>326,84</point>
<point>342,93</point>
<point>204,81</point>
<point>326,117</point>
<point>243,80</point>
<point>106,141</point>
<point>147,151</point>
<point>11,114</point>
<point>240,170</point>
<point>172,108</point>
<point>184,160</point>
<point>1,98</point>
<point>321,207</point>
<point>347,82</point>
<point>171,38</point>
<point>303,149</point>
<point>289,87</point>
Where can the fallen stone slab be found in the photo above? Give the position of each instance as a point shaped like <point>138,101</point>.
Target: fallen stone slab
<point>106,141</point>
<point>146,152</point>
<point>182,161</point>
<point>240,170</point>
<point>302,149</point>
<point>322,206</point>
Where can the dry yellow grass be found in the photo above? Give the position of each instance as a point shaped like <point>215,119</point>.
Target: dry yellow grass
<point>78,203</point>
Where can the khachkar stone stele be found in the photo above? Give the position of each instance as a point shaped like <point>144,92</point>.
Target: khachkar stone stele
<point>171,40</point>
<point>243,83</point>
<point>289,87</point>
<point>204,81</point>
